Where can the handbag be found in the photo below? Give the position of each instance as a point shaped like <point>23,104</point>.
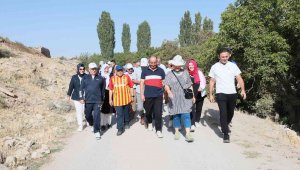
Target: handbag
<point>188,93</point>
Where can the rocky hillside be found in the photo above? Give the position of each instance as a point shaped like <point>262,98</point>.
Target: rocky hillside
<point>34,112</point>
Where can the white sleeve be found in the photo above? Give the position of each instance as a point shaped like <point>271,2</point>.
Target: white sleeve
<point>202,80</point>
<point>237,71</point>
<point>212,72</point>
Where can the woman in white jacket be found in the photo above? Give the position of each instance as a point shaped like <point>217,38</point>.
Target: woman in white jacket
<point>199,84</point>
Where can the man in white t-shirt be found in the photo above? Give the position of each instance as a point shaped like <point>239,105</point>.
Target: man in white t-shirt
<point>223,74</point>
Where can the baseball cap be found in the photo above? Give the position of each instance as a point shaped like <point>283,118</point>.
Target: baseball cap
<point>119,68</point>
<point>93,65</point>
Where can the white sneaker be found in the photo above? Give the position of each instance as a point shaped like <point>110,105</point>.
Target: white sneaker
<point>192,128</point>
<point>92,129</point>
<point>97,135</point>
<point>197,124</point>
<point>150,128</point>
<point>79,128</point>
<point>159,134</point>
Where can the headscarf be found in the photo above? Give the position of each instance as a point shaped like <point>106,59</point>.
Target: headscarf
<point>195,72</point>
<point>78,67</point>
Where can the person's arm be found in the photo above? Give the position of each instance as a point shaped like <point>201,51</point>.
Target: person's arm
<point>111,87</point>
<point>142,86</point>
<point>71,88</point>
<point>102,88</point>
<point>110,98</point>
<point>211,89</point>
<point>242,85</point>
<point>202,81</point>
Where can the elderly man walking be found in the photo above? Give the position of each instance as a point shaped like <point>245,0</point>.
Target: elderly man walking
<point>92,92</point>
<point>223,74</point>
<point>152,94</point>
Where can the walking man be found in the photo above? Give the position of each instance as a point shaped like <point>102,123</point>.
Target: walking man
<point>152,94</point>
<point>92,92</point>
<point>120,96</point>
<point>223,74</point>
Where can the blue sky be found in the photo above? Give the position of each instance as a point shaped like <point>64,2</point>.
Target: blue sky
<point>68,27</point>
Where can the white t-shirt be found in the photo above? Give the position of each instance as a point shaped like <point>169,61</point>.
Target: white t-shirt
<point>137,76</point>
<point>225,74</point>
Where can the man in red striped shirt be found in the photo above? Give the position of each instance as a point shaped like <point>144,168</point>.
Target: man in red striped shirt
<point>120,96</point>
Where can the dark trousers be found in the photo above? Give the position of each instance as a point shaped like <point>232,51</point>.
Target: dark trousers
<point>226,103</point>
<point>122,116</point>
<point>153,105</point>
<point>197,106</point>
<point>92,115</point>
<point>197,109</point>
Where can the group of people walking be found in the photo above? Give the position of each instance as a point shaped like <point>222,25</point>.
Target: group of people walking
<point>145,87</point>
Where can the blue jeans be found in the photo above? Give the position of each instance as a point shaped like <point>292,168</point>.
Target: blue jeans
<point>122,114</point>
<point>186,118</point>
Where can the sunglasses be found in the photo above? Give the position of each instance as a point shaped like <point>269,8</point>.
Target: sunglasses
<point>94,69</point>
<point>81,69</point>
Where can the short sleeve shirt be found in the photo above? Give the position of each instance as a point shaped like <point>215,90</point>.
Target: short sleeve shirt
<point>121,89</point>
<point>225,74</point>
<point>153,82</point>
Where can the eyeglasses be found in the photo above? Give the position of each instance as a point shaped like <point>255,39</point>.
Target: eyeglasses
<point>81,69</point>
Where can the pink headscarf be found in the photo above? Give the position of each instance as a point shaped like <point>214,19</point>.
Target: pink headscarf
<point>195,72</point>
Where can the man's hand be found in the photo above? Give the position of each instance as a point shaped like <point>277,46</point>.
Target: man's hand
<point>143,97</point>
<point>243,94</point>
<point>194,100</point>
<point>81,101</point>
<point>212,98</point>
<point>111,102</point>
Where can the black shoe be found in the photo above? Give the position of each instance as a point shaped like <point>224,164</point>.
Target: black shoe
<point>108,126</point>
<point>120,132</point>
<point>103,128</point>
<point>226,138</point>
<point>127,126</point>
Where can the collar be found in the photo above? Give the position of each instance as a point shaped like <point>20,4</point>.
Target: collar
<point>154,69</point>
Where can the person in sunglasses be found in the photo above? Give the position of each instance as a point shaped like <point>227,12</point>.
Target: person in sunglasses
<point>73,93</point>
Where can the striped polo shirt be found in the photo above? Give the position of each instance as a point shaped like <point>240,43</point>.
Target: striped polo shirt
<point>153,82</point>
<point>121,89</point>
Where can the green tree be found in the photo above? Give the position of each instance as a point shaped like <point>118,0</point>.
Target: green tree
<point>208,24</point>
<point>185,35</point>
<point>126,38</point>
<point>106,34</point>
<point>196,29</point>
<point>143,36</point>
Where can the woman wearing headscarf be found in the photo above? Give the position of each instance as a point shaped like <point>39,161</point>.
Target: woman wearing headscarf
<point>73,93</point>
<point>106,108</point>
<point>199,84</point>
<point>179,105</point>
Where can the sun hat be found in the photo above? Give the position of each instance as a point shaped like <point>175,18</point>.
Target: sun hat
<point>119,68</point>
<point>178,61</point>
<point>93,65</point>
<point>170,62</point>
<point>144,62</point>
<point>129,66</point>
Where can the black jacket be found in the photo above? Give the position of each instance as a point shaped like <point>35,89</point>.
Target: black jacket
<point>92,90</point>
<point>74,87</point>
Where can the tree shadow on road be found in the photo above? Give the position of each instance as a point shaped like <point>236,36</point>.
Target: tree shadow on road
<point>212,118</point>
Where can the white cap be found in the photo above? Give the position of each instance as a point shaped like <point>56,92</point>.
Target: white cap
<point>170,61</point>
<point>101,63</point>
<point>93,65</point>
<point>129,66</point>
<point>144,62</point>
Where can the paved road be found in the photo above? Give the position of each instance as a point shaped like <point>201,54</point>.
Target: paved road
<point>139,149</point>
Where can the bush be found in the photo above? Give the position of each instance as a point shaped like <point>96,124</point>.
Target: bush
<point>5,53</point>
